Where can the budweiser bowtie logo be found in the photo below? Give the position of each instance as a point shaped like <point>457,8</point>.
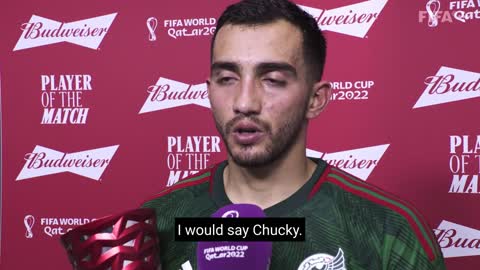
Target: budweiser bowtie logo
<point>354,20</point>
<point>41,31</point>
<point>168,93</point>
<point>359,162</point>
<point>448,85</point>
<point>44,161</point>
<point>457,240</point>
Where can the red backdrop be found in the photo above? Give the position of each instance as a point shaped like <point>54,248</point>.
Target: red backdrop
<point>104,104</point>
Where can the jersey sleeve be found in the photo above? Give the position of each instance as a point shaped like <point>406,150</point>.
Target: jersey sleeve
<point>404,249</point>
<point>407,242</point>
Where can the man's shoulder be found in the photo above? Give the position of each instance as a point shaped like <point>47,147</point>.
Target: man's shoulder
<point>188,188</point>
<point>360,198</point>
<point>353,190</point>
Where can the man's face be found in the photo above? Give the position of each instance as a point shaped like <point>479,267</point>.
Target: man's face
<point>258,90</point>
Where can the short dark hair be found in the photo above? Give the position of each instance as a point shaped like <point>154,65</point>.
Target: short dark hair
<point>258,12</point>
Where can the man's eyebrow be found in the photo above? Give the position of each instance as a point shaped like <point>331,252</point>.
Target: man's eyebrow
<point>266,67</point>
<point>226,66</point>
<point>261,68</point>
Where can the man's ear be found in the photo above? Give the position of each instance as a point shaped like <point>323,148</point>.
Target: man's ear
<point>319,98</point>
<point>207,82</point>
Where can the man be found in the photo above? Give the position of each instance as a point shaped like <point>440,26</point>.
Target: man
<point>265,85</point>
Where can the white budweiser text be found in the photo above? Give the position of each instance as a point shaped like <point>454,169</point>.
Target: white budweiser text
<point>168,93</point>
<point>44,161</point>
<point>448,85</point>
<point>354,20</point>
<point>40,160</point>
<point>39,31</point>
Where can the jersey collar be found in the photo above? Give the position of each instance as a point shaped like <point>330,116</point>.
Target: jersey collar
<point>297,199</point>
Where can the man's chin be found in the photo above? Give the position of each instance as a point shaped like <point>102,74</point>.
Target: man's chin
<point>252,159</point>
<point>251,163</point>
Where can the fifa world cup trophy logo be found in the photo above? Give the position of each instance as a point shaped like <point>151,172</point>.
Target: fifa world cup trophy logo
<point>231,214</point>
<point>29,220</point>
<point>433,7</point>
<point>152,25</point>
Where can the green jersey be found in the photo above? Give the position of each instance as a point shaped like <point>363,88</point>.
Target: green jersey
<point>350,224</point>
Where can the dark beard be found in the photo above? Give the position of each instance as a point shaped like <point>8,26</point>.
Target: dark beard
<point>279,145</point>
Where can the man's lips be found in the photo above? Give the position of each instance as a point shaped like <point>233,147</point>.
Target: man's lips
<point>246,126</point>
<point>247,133</point>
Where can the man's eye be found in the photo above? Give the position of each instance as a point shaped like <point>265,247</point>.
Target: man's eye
<point>225,80</point>
<point>274,82</point>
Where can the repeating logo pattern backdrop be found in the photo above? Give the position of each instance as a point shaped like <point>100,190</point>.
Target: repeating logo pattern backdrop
<point>104,105</point>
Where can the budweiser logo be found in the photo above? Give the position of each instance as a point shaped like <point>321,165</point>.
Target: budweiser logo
<point>353,20</point>
<point>448,85</point>
<point>359,162</point>
<point>41,31</point>
<point>44,161</point>
<point>457,240</point>
<point>168,93</point>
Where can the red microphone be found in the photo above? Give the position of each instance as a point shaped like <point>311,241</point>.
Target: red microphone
<point>126,241</point>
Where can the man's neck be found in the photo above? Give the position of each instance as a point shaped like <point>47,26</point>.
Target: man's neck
<point>268,185</point>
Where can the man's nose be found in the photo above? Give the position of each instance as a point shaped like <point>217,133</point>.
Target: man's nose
<point>248,99</point>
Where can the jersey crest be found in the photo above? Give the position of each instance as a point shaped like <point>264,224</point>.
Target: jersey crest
<point>323,261</point>
<point>186,266</point>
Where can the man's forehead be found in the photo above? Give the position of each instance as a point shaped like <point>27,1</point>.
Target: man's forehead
<point>251,44</point>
